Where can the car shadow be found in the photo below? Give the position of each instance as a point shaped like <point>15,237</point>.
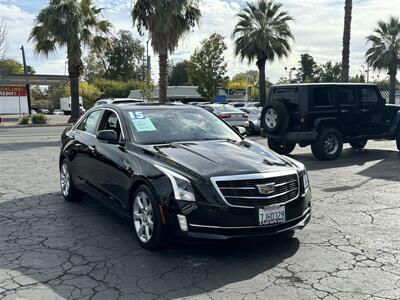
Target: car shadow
<point>82,249</point>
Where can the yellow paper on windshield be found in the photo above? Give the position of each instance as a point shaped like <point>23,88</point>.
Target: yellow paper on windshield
<point>144,124</point>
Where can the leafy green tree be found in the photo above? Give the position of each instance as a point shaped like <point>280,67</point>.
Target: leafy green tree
<point>308,68</point>
<point>125,58</point>
<point>385,51</point>
<point>207,68</point>
<point>262,34</point>
<point>95,66</point>
<point>167,22</point>
<point>13,67</point>
<point>348,7</point>
<point>357,78</point>
<point>70,24</point>
<point>250,76</point>
<point>329,72</point>
<point>179,74</point>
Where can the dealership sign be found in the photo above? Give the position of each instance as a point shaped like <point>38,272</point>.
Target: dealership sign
<point>13,100</point>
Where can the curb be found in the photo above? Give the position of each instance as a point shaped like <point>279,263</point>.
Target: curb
<point>35,125</point>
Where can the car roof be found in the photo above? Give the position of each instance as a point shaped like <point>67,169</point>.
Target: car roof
<point>153,105</point>
<point>324,84</point>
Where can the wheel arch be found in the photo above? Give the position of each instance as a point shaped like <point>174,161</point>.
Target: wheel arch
<point>135,185</point>
<point>321,123</point>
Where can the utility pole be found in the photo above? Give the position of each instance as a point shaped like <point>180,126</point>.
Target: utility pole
<point>28,91</point>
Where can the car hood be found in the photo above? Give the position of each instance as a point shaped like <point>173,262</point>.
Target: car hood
<point>218,158</point>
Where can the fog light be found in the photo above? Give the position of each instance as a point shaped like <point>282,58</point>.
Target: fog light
<point>182,223</point>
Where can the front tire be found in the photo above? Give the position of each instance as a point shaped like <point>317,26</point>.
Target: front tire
<point>147,220</point>
<point>329,144</point>
<point>68,188</point>
<point>250,129</point>
<point>280,147</point>
<point>359,144</point>
<point>398,138</point>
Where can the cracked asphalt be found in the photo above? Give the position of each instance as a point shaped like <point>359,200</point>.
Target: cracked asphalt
<point>52,249</point>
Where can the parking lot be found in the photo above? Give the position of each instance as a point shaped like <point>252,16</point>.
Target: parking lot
<point>52,249</point>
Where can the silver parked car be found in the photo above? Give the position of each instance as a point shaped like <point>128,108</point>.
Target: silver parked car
<point>231,115</point>
<point>254,114</point>
<point>116,101</point>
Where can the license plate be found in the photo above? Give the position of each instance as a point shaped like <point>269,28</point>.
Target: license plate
<point>271,215</point>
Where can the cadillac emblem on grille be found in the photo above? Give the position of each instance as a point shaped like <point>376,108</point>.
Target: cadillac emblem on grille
<point>266,189</point>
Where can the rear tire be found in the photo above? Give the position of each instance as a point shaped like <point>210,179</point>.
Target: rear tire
<point>359,144</point>
<point>250,129</point>
<point>329,144</point>
<point>68,188</point>
<point>280,147</point>
<point>146,219</point>
<point>275,118</point>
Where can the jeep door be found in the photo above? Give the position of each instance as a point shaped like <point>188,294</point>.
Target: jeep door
<point>349,110</point>
<point>372,109</point>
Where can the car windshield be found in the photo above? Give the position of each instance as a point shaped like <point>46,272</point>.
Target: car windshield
<point>159,126</point>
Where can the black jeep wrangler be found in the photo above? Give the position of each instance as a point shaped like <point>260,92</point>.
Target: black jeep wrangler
<point>327,115</point>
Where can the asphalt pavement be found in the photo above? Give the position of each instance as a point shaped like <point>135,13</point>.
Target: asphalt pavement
<point>52,249</point>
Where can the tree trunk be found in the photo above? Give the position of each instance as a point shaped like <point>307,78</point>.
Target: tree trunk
<point>163,80</point>
<point>392,84</point>
<point>346,40</point>
<point>74,88</point>
<point>261,81</point>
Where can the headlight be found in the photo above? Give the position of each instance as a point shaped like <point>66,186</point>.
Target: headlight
<point>302,170</point>
<point>181,185</point>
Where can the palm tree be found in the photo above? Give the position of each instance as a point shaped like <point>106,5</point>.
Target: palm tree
<point>70,24</point>
<point>166,21</point>
<point>348,6</point>
<point>385,50</point>
<point>262,34</point>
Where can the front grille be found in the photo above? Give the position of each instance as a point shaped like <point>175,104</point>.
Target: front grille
<point>244,192</point>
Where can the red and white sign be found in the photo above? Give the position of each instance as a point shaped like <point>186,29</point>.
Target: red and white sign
<point>12,91</point>
<point>13,100</point>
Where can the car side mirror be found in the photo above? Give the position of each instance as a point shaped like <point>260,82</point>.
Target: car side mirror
<point>108,136</point>
<point>241,130</point>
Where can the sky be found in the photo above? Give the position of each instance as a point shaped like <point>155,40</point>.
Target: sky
<point>318,30</point>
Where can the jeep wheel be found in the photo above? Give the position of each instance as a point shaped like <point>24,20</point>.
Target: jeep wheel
<point>359,144</point>
<point>280,147</point>
<point>275,118</point>
<point>329,144</point>
<point>398,138</point>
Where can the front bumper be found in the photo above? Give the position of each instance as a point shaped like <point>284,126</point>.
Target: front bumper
<point>221,223</point>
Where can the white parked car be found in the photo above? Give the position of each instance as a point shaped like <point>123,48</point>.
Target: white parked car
<point>231,115</point>
<point>116,101</point>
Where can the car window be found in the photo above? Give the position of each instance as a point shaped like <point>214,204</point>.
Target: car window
<point>347,96</point>
<point>369,96</point>
<point>110,121</point>
<point>323,97</point>
<point>89,124</point>
<point>157,126</point>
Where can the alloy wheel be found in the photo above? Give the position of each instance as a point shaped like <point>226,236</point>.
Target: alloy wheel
<point>65,179</point>
<point>271,118</point>
<point>331,144</point>
<point>143,216</point>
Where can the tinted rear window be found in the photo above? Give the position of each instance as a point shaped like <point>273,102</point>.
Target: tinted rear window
<point>287,95</point>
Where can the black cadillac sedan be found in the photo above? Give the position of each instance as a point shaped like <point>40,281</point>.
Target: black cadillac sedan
<point>178,170</point>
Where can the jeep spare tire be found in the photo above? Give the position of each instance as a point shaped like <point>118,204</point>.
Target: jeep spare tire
<point>275,118</point>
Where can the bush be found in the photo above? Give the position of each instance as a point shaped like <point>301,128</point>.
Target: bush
<point>39,119</point>
<point>116,89</point>
<point>24,120</point>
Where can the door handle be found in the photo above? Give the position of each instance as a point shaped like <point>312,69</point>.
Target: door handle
<point>92,148</point>
<point>365,110</point>
<point>344,111</point>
